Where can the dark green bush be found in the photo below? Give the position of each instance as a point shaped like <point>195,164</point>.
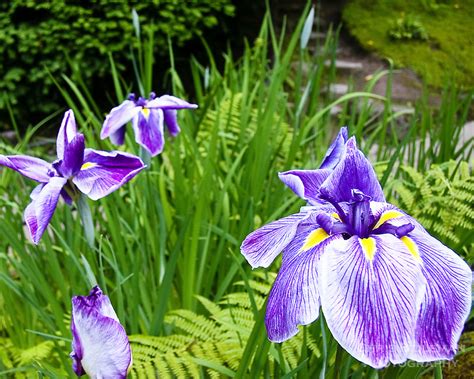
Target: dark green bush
<point>39,36</point>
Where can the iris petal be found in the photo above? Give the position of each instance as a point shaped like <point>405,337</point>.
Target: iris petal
<point>447,302</point>
<point>262,246</point>
<point>170,102</point>
<point>149,131</point>
<point>39,212</point>
<point>353,172</point>
<point>118,117</point>
<point>31,167</point>
<point>294,298</point>
<point>371,305</point>
<point>67,132</point>
<point>305,183</point>
<point>335,151</point>
<point>104,172</point>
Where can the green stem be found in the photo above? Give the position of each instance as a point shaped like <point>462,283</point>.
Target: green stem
<point>86,219</point>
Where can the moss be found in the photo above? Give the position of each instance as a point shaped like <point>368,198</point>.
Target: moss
<point>447,54</point>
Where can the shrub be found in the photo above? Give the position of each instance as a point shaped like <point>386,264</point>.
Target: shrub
<point>407,28</point>
<point>38,37</point>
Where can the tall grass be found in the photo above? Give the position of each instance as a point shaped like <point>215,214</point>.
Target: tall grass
<point>174,232</point>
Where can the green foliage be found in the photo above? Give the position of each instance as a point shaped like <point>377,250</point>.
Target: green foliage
<point>446,56</point>
<point>408,28</point>
<point>37,38</point>
<point>212,345</point>
<point>441,199</point>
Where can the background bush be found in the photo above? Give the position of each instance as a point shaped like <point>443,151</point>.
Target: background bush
<point>38,37</point>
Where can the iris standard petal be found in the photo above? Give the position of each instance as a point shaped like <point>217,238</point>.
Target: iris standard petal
<point>39,212</point>
<point>170,102</point>
<point>447,301</point>
<point>305,183</point>
<point>73,156</point>
<point>149,131</point>
<point>353,171</point>
<point>31,167</point>
<point>371,290</point>
<point>103,350</point>
<point>335,151</point>
<point>118,117</point>
<point>294,298</point>
<point>262,246</point>
<point>171,121</point>
<point>104,172</point>
<point>67,132</point>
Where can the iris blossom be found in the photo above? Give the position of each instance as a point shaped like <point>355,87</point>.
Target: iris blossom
<point>77,170</point>
<point>389,291</point>
<point>148,117</point>
<point>100,344</point>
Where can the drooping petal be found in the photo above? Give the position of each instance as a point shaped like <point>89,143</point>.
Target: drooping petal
<point>294,298</point>
<point>353,172</point>
<point>39,212</point>
<point>305,183</point>
<point>447,301</point>
<point>100,343</point>
<point>171,121</point>
<point>67,132</point>
<point>335,151</point>
<point>31,167</point>
<point>170,102</point>
<point>118,137</point>
<point>104,172</point>
<point>73,156</point>
<point>371,290</point>
<point>262,246</point>
<point>149,131</point>
<point>118,117</point>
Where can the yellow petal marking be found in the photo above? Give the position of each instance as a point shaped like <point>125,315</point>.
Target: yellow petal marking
<point>146,112</point>
<point>368,247</point>
<point>336,216</point>
<point>411,245</point>
<point>388,215</point>
<point>87,165</point>
<point>315,237</point>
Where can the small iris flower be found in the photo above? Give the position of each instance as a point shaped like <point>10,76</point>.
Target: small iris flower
<point>77,170</point>
<point>148,117</point>
<point>389,291</point>
<point>100,344</point>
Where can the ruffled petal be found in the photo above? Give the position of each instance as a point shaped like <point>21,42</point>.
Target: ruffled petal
<point>447,301</point>
<point>104,172</point>
<point>262,246</point>
<point>294,298</point>
<point>371,290</point>
<point>39,212</point>
<point>352,172</point>
<point>100,344</point>
<point>67,132</point>
<point>118,117</point>
<point>149,131</point>
<point>305,183</point>
<point>335,151</point>
<point>170,102</point>
<point>31,167</point>
<point>118,137</point>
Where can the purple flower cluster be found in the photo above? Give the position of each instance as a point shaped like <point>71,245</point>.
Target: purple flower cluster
<point>389,291</point>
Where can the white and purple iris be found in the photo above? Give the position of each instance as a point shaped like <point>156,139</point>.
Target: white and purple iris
<point>148,117</point>
<point>100,344</point>
<point>389,291</point>
<point>77,170</point>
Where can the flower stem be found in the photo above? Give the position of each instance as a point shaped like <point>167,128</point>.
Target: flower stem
<point>145,156</point>
<point>86,219</point>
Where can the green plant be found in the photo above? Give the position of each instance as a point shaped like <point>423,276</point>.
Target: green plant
<point>407,28</point>
<point>38,39</point>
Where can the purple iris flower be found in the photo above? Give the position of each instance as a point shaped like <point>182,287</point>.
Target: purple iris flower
<point>77,170</point>
<point>389,291</point>
<point>100,344</point>
<point>148,117</point>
